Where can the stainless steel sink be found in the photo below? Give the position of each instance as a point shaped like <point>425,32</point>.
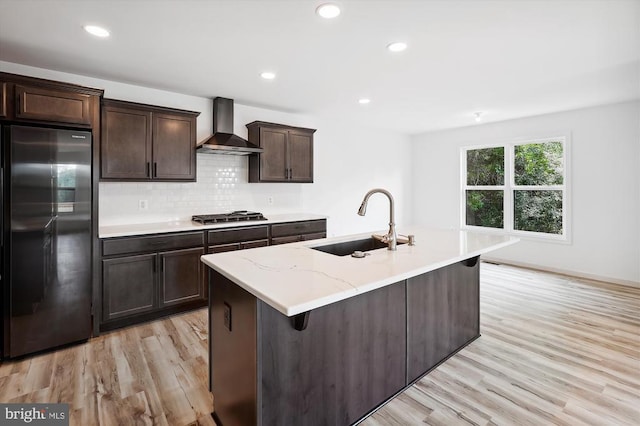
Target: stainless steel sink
<point>348,247</point>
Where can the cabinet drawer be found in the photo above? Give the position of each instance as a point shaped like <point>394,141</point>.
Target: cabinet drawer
<point>285,240</point>
<point>255,244</point>
<point>221,248</point>
<point>116,246</point>
<point>297,228</point>
<point>36,103</point>
<point>314,236</point>
<point>238,235</point>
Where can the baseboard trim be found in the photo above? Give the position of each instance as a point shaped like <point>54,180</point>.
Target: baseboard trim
<point>591,277</point>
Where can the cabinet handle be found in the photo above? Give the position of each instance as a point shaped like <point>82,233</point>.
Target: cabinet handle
<point>155,169</point>
<point>148,169</point>
<point>290,173</point>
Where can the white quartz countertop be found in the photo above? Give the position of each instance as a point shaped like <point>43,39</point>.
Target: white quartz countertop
<point>293,278</point>
<point>187,225</point>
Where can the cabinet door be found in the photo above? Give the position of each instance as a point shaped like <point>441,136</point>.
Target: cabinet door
<point>300,157</point>
<point>36,103</point>
<point>273,161</point>
<point>174,147</point>
<point>126,143</point>
<point>182,277</point>
<point>3,99</point>
<point>128,286</point>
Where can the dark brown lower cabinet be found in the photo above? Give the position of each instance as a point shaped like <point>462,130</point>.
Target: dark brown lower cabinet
<point>182,276</point>
<point>352,356</point>
<point>129,286</point>
<point>147,277</point>
<point>141,284</point>
<point>150,276</point>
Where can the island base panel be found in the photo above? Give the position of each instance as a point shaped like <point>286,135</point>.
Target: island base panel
<point>350,359</point>
<point>347,361</point>
<point>443,314</point>
<point>233,361</point>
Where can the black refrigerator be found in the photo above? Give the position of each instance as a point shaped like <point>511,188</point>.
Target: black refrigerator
<point>46,238</point>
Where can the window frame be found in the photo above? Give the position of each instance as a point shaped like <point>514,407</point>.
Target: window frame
<point>509,187</point>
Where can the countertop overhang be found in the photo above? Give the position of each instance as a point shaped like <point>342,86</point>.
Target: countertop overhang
<point>294,278</point>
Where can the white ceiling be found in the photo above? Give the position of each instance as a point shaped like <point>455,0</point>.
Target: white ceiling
<point>508,58</point>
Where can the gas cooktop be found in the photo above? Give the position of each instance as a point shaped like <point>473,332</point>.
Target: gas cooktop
<point>236,216</point>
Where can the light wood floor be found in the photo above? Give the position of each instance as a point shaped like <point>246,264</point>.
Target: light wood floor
<point>554,351</point>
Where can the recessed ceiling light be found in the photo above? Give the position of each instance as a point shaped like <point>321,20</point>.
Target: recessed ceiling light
<point>397,46</point>
<point>478,116</point>
<point>96,31</point>
<point>268,75</point>
<point>364,101</point>
<point>328,10</point>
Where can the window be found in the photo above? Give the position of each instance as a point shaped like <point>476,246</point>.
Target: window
<point>518,188</point>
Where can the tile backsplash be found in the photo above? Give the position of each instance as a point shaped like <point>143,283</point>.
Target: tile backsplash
<point>221,187</point>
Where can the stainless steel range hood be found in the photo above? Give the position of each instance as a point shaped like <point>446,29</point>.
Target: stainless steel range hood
<point>223,140</point>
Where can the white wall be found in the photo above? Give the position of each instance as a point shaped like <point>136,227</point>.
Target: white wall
<point>348,162</point>
<point>605,180</point>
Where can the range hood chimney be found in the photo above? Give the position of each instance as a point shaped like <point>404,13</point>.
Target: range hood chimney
<point>223,140</point>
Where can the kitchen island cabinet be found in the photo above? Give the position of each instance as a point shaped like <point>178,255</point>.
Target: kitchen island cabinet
<point>300,336</point>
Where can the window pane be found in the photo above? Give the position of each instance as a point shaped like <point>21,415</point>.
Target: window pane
<point>485,208</point>
<point>539,164</point>
<point>538,211</point>
<point>485,166</point>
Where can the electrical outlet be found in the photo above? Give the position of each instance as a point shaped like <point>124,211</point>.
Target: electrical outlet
<point>143,204</point>
<point>270,200</point>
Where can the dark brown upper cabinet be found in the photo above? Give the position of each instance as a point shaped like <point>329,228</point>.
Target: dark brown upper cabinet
<point>287,156</point>
<point>3,99</point>
<point>35,100</point>
<point>145,142</point>
<point>35,103</point>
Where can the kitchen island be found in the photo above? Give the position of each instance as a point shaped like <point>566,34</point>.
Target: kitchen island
<point>301,336</point>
